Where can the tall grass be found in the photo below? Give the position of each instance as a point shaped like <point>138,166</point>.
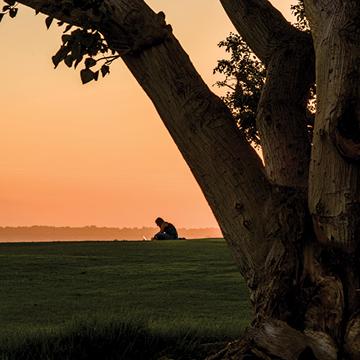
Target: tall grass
<point>130,339</point>
<point>119,300</point>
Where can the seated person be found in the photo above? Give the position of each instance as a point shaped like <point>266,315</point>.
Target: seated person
<point>167,230</point>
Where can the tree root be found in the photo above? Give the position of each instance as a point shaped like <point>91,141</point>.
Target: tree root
<point>274,339</point>
<point>352,337</point>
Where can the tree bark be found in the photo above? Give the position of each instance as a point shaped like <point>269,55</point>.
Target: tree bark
<point>334,186</point>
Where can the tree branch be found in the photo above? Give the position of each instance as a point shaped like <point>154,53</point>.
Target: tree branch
<point>282,113</point>
<point>261,25</point>
<point>336,145</point>
<point>282,116</point>
<point>319,11</point>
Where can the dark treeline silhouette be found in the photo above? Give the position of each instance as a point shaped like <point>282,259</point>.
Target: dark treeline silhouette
<point>52,233</point>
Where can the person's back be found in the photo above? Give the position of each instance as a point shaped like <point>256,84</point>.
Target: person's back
<point>167,230</point>
<point>170,230</point>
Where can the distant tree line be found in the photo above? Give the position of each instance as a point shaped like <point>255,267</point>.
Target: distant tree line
<point>51,233</point>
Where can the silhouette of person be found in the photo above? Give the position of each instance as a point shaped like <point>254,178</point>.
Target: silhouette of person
<point>167,230</point>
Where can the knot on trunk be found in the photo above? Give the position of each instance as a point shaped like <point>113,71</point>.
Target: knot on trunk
<point>347,132</point>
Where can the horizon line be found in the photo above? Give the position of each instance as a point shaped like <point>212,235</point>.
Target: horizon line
<point>102,226</point>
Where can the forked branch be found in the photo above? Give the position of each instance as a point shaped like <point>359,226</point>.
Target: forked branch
<point>282,113</point>
<point>261,25</point>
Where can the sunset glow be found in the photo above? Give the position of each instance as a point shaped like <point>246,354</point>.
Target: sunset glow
<point>96,154</point>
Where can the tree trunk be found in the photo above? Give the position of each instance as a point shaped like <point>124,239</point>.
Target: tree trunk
<point>334,192</point>
<point>293,225</point>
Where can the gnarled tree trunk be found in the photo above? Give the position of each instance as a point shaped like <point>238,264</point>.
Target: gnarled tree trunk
<point>293,223</point>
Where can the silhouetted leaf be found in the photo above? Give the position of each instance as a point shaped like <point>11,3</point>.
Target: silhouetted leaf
<point>87,75</point>
<point>90,62</point>
<point>10,2</point>
<point>78,61</point>
<point>87,40</point>
<point>48,21</point>
<point>298,11</point>
<point>96,75</point>
<point>60,55</point>
<point>6,8</point>
<point>69,61</point>
<point>105,70</point>
<point>76,50</point>
<point>245,77</point>
<point>68,27</point>
<point>1,16</point>
<point>13,12</point>
<point>65,38</point>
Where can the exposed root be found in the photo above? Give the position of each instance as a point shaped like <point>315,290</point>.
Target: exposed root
<point>322,345</point>
<point>274,339</point>
<point>325,311</point>
<point>281,340</point>
<point>352,337</point>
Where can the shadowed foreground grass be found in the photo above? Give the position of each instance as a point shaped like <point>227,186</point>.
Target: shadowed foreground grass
<point>118,300</point>
<point>132,340</point>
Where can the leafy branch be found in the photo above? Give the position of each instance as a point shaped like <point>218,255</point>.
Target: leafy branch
<point>298,11</point>
<point>10,9</point>
<point>244,79</point>
<point>245,76</point>
<point>83,45</point>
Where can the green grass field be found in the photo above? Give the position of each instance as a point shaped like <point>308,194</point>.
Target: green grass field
<point>171,288</point>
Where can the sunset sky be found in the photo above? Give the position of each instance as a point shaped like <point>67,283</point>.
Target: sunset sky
<point>93,155</point>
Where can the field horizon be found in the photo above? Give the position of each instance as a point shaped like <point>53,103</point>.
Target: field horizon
<point>44,233</point>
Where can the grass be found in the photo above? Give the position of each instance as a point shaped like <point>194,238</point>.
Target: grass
<point>61,298</point>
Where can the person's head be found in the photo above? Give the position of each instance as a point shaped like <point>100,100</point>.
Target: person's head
<point>159,221</point>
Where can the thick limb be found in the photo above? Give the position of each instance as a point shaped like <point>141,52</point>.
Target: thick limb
<point>282,117</point>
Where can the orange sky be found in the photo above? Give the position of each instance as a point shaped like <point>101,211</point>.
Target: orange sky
<point>79,155</point>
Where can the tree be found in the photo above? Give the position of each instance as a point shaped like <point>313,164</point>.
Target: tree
<point>293,223</point>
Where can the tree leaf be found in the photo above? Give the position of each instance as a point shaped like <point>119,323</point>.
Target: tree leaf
<point>87,75</point>
<point>60,55</point>
<point>90,62</point>
<point>76,50</point>
<point>13,12</point>
<point>1,16</point>
<point>10,2</point>
<point>78,61</point>
<point>105,69</point>
<point>65,38</point>
<point>68,27</point>
<point>69,61</point>
<point>48,21</point>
